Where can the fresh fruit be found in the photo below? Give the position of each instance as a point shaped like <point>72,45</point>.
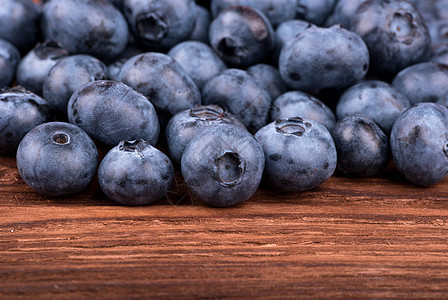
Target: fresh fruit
<point>242,36</point>
<point>299,104</point>
<point>375,99</point>
<point>419,143</point>
<point>66,76</point>
<point>308,64</point>
<point>160,78</point>
<point>362,147</point>
<point>186,124</point>
<point>159,25</point>
<point>394,32</point>
<point>223,165</point>
<point>198,60</point>
<point>9,59</point>
<point>20,111</point>
<point>135,173</point>
<point>93,27</point>
<point>242,94</point>
<point>110,112</point>
<point>300,154</point>
<point>57,159</point>
<point>34,67</point>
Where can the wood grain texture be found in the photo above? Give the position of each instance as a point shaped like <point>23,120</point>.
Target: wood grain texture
<point>349,238</point>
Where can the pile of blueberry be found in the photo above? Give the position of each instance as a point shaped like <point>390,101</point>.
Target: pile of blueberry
<point>238,92</point>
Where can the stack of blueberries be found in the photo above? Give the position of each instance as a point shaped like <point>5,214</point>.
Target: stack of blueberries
<point>236,92</point>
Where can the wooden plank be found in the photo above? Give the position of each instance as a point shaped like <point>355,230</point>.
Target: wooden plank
<point>349,238</point>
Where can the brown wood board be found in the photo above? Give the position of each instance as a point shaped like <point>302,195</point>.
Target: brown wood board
<point>349,238</point>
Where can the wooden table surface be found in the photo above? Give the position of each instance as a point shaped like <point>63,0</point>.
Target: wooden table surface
<point>349,238</point>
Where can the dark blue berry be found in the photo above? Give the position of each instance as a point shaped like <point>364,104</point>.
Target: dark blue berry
<point>300,154</point>
<point>93,27</point>
<point>419,143</point>
<point>34,67</point>
<point>110,112</point>
<point>242,36</point>
<point>271,77</point>
<point>186,124</point>
<point>276,11</point>
<point>322,58</point>
<point>394,32</point>
<point>198,60</point>
<point>287,31</point>
<point>375,99</point>
<point>299,104</point>
<point>203,20</point>
<point>20,111</point>
<point>241,94</point>
<point>424,82</point>
<point>66,76</point>
<point>362,147</point>
<point>158,24</point>
<point>19,23</point>
<point>57,159</point>
<point>223,165</point>
<point>160,78</point>
<point>343,12</point>
<point>9,59</point>
<point>314,11</point>
<point>135,173</point>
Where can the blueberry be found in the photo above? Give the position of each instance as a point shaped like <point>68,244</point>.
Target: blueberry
<point>223,165</point>
<point>158,24</point>
<point>314,11</point>
<point>424,82</point>
<point>34,67</point>
<point>433,9</point>
<point>362,147</point>
<point>375,99</point>
<point>186,124</point>
<point>308,64</point>
<point>295,103</point>
<point>438,30</point>
<point>439,54</point>
<point>443,100</point>
<point>19,23</point>
<point>426,8</point>
<point>394,32</point>
<point>242,36</point>
<point>57,159</point>
<point>66,76</point>
<point>110,112</point>
<point>241,94</point>
<point>271,77</point>
<point>93,27</point>
<point>198,60</point>
<point>343,12</point>
<point>20,111</point>
<point>160,78</point>
<point>300,154</point>
<point>276,11</point>
<point>9,59</point>
<point>286,31</point>
<point>440,9</point>
<point>419,143</point>
<point>135,173</point>
<point>114,67</point>
<point>203,20</point>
